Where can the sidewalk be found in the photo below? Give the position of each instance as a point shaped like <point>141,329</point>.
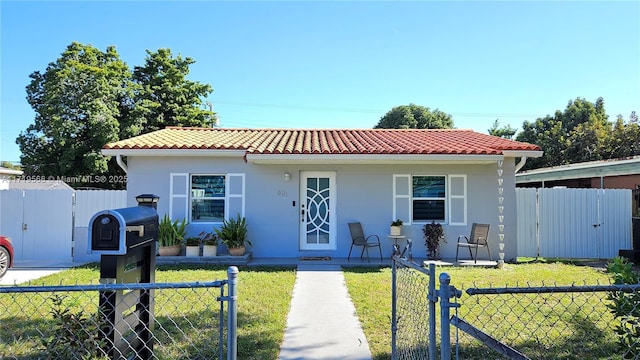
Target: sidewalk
<point>321,324</point>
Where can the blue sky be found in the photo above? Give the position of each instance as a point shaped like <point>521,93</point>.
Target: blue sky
<point>345,64</point>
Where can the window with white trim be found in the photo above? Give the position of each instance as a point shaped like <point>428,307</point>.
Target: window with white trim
<point>426,198</point>
<point>208,194</point>
<point>429,198</point>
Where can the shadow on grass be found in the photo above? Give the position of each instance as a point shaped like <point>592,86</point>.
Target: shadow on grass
<point>586,341</point>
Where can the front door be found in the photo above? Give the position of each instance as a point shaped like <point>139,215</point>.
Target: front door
<point>317,210</point>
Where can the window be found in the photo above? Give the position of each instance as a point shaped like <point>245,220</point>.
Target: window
<point>425,198</point>
<point>429,198</point>
<point>208,198</point>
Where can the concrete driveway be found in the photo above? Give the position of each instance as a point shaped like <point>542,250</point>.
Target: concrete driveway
<point>23,272</point>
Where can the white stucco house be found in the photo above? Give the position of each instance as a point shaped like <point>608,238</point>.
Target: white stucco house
<point>298,188</point>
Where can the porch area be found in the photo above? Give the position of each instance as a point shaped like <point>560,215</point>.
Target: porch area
<point>248,260</point>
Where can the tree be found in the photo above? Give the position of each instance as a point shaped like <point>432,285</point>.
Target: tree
<point>77,105</point>
<point>88,98</point>
<point>576,134</point>
<point>414,117</point>
<point>624,140</point>
<point>165,97</point>
<point>8,165</point>
<point>506,131</point>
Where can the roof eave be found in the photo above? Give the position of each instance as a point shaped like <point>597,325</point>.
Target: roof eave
<point>174,152</point>
<point>521,153</point>
<point>371,159</point>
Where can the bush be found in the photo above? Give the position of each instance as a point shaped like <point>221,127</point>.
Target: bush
<point>626,307</point>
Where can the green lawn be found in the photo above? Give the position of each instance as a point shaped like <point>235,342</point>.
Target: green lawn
<point>370,290</point>
<point>265,295</point>
<point>264,299</point>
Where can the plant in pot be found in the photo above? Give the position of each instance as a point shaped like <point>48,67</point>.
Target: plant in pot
<point>209,243</point>
<point>233,233</point>
<point>396,227</point>
<point>170,235</point>
<point>433,235</point>
<point>192,246</point>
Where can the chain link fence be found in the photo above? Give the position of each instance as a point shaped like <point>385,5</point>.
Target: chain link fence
<point>549,322</point>
<point>522,322</point>
<point>67,322</point>
<point>413,335</point>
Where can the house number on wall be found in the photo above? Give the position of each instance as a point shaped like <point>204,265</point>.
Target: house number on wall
<point>282,193</point>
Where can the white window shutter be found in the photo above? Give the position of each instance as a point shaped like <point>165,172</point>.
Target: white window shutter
<point>457,199</point>
<point>402,198</point>
<point>235,195</point>
<point>179,196</point>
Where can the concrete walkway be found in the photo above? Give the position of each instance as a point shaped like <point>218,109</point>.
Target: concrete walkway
<point>322,324</point>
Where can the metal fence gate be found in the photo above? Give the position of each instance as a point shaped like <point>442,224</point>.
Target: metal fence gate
<point>518,322</point>
<point>67,322</point>
<point>52,224</point>
<point>573,223</point>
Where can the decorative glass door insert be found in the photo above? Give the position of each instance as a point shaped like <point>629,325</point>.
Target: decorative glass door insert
<point>317,211</point>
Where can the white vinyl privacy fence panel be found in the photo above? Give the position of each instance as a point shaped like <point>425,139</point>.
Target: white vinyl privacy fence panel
<point>52,224</point>
<point>573,223</point>
<point>38,222</point>
<point>89,202</point>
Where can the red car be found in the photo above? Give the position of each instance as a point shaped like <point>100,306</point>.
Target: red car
<point>6,255</point>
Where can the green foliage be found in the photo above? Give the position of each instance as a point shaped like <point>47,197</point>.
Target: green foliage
<point>8,165</point>
<point>208,238</point>
<point>626,307</point>
<point>506,131</point>
<point>171,233</point>
<point>582,132</point>
<point>77,106</point>
<point>76,335</point>
<point>88,98</point>
<point>414,117</point>
<point>233,232</point>
<point>165,97</point>
<point>192,241</point>
<point>397,222</point>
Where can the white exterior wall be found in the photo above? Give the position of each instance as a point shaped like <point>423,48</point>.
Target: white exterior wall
<point>364,194</point>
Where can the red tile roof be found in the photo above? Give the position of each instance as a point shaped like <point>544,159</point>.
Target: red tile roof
<point>325,141</point>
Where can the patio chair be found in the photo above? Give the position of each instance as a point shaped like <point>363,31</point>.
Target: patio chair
<point>478,239</point>
<point>358,239</point>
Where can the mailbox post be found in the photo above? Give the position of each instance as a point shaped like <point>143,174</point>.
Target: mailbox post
<point>126,239</point>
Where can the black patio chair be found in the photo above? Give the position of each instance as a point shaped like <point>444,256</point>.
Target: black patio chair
<point>358,239</point>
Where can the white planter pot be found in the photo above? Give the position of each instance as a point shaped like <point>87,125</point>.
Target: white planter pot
<point>395,230</point>
<point>209,250</point>
<point>192,251</point>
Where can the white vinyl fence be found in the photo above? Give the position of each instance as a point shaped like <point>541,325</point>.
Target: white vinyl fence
<point>52,224</point>
<point>89,202</point>
<point>573,223</point>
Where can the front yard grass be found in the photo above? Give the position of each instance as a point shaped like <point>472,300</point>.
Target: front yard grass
<point>265,296</point>
<point>370,290</point>
<point>263,304</point>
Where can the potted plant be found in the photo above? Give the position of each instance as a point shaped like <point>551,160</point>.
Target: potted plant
<point>170,235</point>
<point>433,235</point>
<point>396,227</point>
<point>192,246</point>
<point>233,233</point>
<point>209,243</point>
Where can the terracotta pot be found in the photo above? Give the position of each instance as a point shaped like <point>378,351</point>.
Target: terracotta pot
<point>209,250</point>
<point>169,250</point>
<point>239,251</point>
